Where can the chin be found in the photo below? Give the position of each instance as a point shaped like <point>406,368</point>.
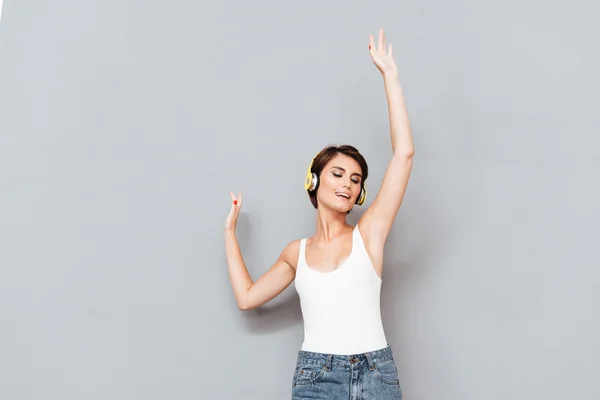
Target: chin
<point>340,207</point>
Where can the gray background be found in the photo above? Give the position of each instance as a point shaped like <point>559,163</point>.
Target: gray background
<point>125,124</point>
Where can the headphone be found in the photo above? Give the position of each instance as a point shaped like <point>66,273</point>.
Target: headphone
<point>311,183</point>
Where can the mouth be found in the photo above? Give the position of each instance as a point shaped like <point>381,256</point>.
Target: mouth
<point>344,196</point>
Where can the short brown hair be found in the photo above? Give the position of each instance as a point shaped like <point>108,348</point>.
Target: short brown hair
<point>329,153</point>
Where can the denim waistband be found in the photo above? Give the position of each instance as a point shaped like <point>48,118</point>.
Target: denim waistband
<point>370,358</point>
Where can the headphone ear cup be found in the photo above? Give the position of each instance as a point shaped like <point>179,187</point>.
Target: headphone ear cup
<point>309,179</point>
<point>315,182</point>
<point>311,183</point>
<point>362,197</point>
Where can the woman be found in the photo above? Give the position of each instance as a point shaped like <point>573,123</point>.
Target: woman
<point>345,354</point>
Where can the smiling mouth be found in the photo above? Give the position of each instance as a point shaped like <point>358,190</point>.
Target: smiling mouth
<point>343,196</point>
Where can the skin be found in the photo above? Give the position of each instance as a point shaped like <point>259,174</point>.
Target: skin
<point>331,243</point>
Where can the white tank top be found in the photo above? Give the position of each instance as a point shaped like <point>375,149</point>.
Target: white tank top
<point>341,308</point>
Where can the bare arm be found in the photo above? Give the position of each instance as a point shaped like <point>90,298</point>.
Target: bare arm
<point>249,294</point>
<point>377,221</point>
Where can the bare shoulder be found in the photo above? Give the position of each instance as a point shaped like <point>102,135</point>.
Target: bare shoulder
<point>291,252</point>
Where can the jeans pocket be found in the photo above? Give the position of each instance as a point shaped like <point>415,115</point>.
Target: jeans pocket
<point>308,373</point>
<point>387,372</point>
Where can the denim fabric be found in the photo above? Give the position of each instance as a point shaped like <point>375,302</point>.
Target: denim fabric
<point>365,376</point>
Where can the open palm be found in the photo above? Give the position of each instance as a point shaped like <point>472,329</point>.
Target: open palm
<point>381,57</point>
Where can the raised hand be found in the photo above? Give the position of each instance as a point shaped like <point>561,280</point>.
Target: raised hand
<point>231,221</point>
<point>381,57</point>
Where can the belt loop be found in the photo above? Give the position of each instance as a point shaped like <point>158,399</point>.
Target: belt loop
<point>370,361</point>
<point>328,362</point>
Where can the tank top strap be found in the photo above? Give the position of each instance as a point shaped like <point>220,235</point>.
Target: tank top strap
<point>301,254</point>
<point>356,238</point>
<point>359,244</point>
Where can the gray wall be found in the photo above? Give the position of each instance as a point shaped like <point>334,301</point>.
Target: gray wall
<point>125,124</point>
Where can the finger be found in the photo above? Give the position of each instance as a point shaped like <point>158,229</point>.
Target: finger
<point>233,199</point>
<point>371,43</point>
<point>237,203</point>
<point>390,50</point>
<point>381,44</point>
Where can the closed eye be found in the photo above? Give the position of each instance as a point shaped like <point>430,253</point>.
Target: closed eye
<point>339,176</point>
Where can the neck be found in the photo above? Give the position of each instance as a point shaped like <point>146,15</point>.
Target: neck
<point>330,224</point>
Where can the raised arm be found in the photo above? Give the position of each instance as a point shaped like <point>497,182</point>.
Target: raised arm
<point>377,221</point>
<point>249,294</point>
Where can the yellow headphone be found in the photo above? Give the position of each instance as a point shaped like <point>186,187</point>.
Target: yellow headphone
<point>311,182</point>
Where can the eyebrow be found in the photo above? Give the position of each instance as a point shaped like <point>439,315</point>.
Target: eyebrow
<point>356,173</point>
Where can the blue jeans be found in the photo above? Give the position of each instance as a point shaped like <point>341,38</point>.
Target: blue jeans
<point>365,376</point>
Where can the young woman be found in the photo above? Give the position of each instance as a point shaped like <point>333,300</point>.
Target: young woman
<point>338,271</point>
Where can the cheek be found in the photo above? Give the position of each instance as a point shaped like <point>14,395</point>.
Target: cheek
<point>327,181</point>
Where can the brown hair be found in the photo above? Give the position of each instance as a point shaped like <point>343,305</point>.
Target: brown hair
<point>329,153</point>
